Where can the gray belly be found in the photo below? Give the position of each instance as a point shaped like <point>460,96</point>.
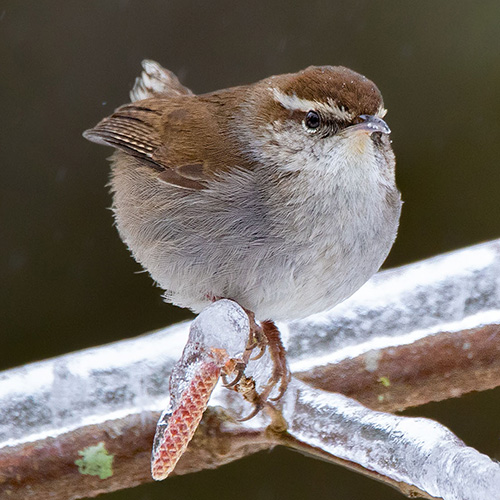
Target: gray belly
<point>225,241</point>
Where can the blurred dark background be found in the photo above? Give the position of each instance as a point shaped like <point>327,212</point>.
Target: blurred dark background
<point>67,281</point>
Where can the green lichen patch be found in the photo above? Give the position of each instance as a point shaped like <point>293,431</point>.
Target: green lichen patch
<point>385,381</point>
<point>95,461</point>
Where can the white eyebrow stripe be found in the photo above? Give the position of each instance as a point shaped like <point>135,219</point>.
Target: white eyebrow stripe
<point>294,103</point>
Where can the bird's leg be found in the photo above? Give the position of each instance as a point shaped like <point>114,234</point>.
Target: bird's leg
<point>256,338</point>
<point>281,372</point>
<point>265,335</point>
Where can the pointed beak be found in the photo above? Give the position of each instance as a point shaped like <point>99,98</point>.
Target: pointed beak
<point>371,124</point>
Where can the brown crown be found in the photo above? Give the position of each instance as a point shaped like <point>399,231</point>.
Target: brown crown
<point>345,87</point>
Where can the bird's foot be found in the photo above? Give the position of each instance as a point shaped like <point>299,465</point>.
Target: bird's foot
<point>281,372</point>
<point>262,337</point>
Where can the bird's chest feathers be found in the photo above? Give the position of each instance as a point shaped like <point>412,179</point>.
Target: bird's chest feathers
<point>329,209</point>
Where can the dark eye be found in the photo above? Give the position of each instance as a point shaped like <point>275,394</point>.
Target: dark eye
<point>312,121</point>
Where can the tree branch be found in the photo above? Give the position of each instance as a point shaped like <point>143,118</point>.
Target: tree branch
<point>434,368</point>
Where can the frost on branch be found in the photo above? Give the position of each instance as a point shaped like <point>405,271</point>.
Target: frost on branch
<point>416,451</point>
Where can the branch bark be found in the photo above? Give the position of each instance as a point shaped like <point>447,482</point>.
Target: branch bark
<point>434,368</point>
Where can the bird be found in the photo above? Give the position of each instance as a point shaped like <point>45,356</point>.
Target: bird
<point>279,194</point>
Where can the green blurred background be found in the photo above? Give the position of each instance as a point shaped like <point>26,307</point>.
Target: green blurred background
<point>67,281</point>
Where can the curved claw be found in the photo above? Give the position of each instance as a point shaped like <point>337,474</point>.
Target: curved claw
<point>240,367</point>
<point>261,353</point>
<point>254,412</point>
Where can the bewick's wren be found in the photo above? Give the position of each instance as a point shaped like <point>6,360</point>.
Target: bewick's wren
<point>280,195</point>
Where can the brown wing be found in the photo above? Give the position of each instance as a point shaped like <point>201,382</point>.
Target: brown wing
<point>186,138</point>
<point>171,135</point>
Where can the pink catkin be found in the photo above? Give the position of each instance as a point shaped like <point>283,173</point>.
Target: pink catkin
<point>184,420</point>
